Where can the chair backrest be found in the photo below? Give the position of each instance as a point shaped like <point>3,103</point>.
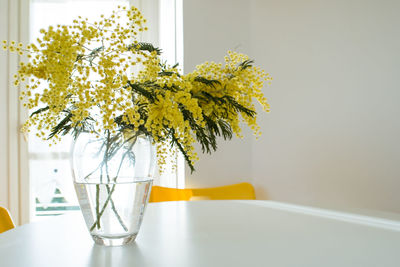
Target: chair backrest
<point>6,222</point>
<point>159,194</point>
<point>235,191</point>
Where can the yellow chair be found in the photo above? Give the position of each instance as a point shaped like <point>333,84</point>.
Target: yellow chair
<point>235,191</point>
<point>6,222</point>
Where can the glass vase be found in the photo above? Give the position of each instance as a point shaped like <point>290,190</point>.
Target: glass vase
<point>113,178</point>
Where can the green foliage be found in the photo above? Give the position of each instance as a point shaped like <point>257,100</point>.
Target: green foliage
<point>215,125</point>
<point>207,82</point>
<point>246,64</point>
<point>145,47</point>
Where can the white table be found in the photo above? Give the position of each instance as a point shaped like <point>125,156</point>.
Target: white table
<point>214,233</point>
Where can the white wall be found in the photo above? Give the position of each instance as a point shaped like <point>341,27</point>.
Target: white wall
<point>331,138</point>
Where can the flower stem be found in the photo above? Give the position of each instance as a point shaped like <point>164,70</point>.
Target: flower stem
<point>110,192</point>
<point>104,207</point>
<point>121,222</point>
<point>97,206</point>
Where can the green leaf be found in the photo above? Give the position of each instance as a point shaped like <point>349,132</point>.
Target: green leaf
<point>145,47</point>
<point>175,141</point>
<point>246,64</point>
<point>63,126</point>
<point>138,88</point>
<point>208,82</point>
<point>40,110</point>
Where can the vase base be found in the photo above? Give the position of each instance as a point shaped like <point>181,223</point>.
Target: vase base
<point>113,241</point>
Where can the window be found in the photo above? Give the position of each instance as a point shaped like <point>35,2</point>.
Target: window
<point>50,172</point>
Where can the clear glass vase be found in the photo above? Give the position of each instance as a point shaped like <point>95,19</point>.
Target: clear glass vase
<point>113,177</point>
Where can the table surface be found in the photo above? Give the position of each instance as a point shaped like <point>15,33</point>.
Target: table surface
<point>213,233</point>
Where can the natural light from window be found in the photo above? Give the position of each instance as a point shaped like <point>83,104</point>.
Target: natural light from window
<point>49,167</point>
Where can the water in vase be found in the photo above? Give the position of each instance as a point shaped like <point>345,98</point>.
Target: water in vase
<point>113,211</point>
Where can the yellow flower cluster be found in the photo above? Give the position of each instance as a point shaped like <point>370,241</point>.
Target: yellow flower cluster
<point>97,72</point>
<point>241,83</point>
